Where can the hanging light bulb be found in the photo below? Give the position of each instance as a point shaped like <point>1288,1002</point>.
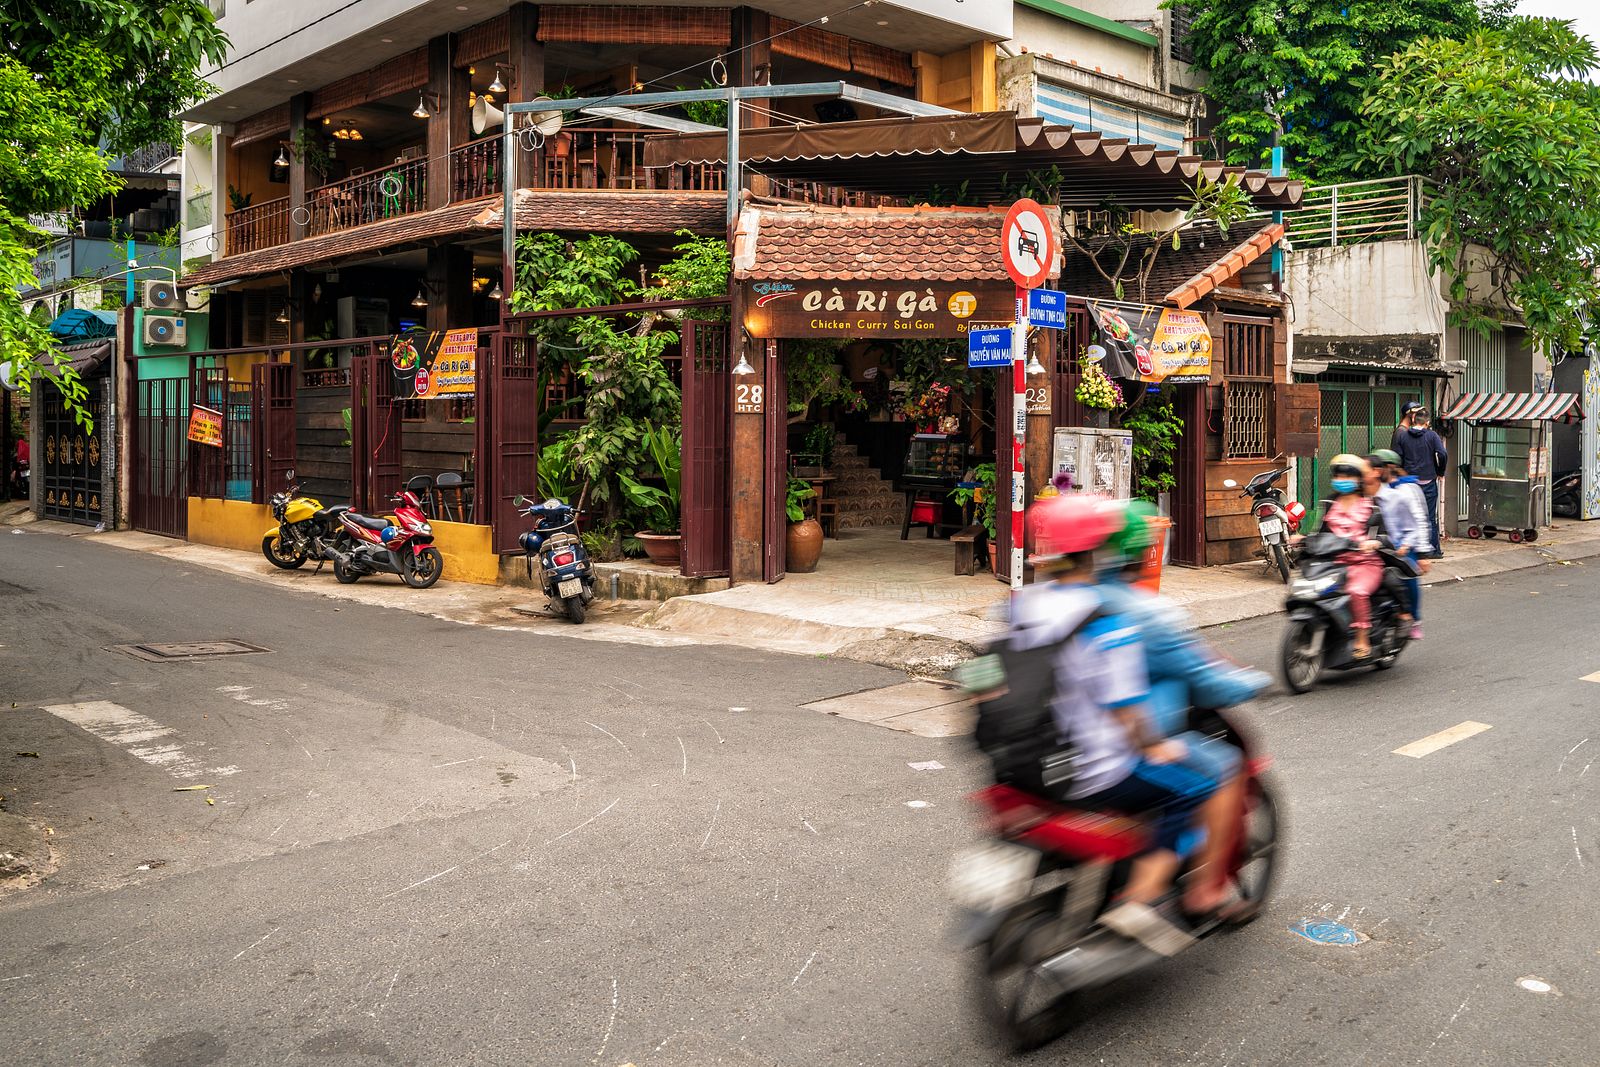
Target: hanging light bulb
<point>1034,366</point>
<point>496,293</point>
<point>420,300</point>
<point>422,109</point>
<point>282,317</point>
<point>743,366</point>
<point>497,86</point>
<point>283,157</point>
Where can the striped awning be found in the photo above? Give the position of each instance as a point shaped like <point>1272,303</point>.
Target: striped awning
<point>1514,407</point>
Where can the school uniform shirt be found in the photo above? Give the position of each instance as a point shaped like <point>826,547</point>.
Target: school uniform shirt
<point>1101,670</point>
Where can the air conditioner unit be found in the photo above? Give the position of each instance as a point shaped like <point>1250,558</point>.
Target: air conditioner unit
<point>165,330</point>
<point>160,294</point>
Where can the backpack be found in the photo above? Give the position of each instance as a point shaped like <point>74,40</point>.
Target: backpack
<point>1016,726</point>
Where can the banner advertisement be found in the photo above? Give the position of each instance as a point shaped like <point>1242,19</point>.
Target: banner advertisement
<point>432,364</point>
<point>205,426</point>
<point>1152,344</point>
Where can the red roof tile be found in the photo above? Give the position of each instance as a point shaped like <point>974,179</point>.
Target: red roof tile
<point>1227,268</point>
<point>861,244</point>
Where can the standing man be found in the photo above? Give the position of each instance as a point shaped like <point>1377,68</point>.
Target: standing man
<point>1423,454</point>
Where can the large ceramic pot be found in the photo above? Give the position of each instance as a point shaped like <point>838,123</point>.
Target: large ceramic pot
<point>663,549</point>
<point>804,543</point>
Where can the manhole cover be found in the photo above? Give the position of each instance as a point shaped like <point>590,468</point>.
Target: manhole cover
<point>188,650</point>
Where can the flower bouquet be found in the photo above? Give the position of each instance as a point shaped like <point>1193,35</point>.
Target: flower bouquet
<point>1098,391</point>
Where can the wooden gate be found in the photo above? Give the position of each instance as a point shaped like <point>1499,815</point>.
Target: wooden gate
<point>374,433</point>
<point>513,467</point>
<point>70,478</point>
<point>1188,533</point>
<point>160,456</point>
<point>776,475</point>
<point>272,413</point>
<point>707,450</point>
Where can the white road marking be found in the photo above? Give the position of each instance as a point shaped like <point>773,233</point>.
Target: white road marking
<point>1442,739</point>
<point>138,735</point>
<point>263,937</point>
<point>610,1024</point>
<point>611,735</point>
<point>1595,677</point>
<point>1576,851</point>
<point>796,978</point>
<point>705,840</point>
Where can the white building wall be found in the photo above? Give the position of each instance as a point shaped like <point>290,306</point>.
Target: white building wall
<point>1082,46</point>
<point>1383,287</point>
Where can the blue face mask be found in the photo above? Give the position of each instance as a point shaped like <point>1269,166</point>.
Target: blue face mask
<point>1344,485</point>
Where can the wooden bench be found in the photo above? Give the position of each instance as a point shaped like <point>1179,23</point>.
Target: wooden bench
<point>966,542</point>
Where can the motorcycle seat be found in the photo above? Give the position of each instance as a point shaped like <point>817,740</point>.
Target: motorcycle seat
<point>367,521</point>
<point>332,513</point>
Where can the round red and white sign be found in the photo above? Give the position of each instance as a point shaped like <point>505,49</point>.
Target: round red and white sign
<point>1028,244</point>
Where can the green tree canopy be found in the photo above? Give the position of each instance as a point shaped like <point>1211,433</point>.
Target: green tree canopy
<point>80,79</point>
<point>1306,64</point>
<point>1508,129</point>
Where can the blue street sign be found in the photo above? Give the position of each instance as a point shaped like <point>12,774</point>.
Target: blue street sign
<point>989,348</point>
<point>1047,308</point>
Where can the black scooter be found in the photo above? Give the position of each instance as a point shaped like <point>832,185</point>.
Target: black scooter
<point>565,572</point>
<point>1320,631</point>
<point>1565,492</point>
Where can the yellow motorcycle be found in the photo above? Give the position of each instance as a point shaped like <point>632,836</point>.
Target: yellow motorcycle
<point>305,530</point>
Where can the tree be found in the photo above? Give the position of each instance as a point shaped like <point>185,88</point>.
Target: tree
<point>1306,64</point>
<point>77,80</point>
<point>1508,130</point>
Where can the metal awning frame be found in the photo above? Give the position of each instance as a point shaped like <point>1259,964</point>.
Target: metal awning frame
<point>732,95</point>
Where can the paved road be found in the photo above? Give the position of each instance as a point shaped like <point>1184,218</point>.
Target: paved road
<point>441,844</point>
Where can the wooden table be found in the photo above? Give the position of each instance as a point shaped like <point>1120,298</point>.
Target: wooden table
<point>819,485</point>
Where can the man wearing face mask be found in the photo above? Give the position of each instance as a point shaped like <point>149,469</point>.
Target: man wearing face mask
<point>1423,454</point>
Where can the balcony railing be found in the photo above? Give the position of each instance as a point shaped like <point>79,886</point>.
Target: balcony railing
<point>258,226</point>
<point>388,193</point>
<point>1385,209</point>
<point>475,169</point>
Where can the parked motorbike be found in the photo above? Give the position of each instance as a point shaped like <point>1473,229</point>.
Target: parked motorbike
<point>565,572</point>
<point>1566,489</point>
<point>402,545</point>
<point>1319,634</point>
<point>1275,519</point>
<point>305,530</point>
<point>1029,897</point>
<point>21,480</point>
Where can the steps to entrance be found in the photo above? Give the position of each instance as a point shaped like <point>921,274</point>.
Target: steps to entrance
<point>865,498</point>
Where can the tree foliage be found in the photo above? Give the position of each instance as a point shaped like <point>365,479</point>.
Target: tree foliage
<point>1506,126</point>
<point>1307,63</point>
<point>77,80</point>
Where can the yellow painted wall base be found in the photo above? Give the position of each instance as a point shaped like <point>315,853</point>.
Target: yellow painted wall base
<point>228,523</point>
<point>468,552</point>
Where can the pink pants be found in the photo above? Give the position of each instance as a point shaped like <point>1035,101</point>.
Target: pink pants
<point>1365,573</point>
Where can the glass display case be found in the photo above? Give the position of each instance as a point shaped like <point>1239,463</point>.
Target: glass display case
<point>934,460</point>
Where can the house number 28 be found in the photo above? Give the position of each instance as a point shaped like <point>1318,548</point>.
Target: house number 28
<point>747,399</point>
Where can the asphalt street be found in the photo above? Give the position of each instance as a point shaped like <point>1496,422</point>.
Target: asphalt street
<point>433,843</point>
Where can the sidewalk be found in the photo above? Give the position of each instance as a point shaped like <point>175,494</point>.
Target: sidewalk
<point>875,598</point>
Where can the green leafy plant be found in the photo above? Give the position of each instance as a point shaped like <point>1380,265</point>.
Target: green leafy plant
<point>710,112</point>
<point>1156,428</point>
<point>557,478</point>
<point>818,444</point>
<point>310,149</point>
<point>798,492</point>
<point>982,497</point>
<point>345,418</point>
<point>661,507</point>
<point>699,271</point>
<point>238,201</point>
<point>814,377</point>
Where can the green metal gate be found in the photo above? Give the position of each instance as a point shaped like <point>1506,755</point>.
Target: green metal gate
<point>1358,415</point>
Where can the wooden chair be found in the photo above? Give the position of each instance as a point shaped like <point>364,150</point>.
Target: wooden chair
<point>450,484</point>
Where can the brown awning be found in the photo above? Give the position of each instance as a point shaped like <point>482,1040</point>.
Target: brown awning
<point>982,157</point>
<point>83,358</point>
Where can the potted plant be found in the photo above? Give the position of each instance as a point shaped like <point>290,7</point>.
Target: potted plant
<point>1097,392</point>
<point>661,507</point>
<point>980,492</point>
<point>804,540</point>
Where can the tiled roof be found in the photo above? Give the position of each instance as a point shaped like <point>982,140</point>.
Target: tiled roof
<point>567,211</point>
<point>857,244</point>
<point>1205,260</point>
<point>614,211</point>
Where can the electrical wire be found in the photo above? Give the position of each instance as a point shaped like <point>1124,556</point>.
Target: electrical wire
<point>280,40</point>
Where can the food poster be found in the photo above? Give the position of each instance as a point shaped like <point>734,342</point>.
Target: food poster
<point>1152,344</point>
<point>205,426</point>
<point>432,364</point>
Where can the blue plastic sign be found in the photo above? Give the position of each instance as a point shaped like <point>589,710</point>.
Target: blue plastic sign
<point>989,348</point>
<point>1047,308</point>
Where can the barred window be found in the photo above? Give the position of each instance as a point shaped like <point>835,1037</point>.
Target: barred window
<point>1247,393</point>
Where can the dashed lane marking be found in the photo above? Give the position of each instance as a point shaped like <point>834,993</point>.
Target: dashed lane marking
<point>137,735</point>
<point>1442,739</point>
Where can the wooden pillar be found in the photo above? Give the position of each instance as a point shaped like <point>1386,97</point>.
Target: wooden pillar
<point>1041,422</point>
<point>299,129</point>
<point>526,78</point>
<point>299,306</point>
<point>449,287</point>
<point>447,123</point>
<point>748,473</point>
<point>752,65</point>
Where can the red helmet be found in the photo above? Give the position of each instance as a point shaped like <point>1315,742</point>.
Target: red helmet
<point>1062,525</point>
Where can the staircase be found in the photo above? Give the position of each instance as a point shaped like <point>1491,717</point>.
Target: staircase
<point>864,497</point>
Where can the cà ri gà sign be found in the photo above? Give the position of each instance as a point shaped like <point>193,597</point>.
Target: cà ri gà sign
<point>865,310</point>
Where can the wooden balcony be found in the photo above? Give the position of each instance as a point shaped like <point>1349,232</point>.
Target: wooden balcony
<point>258,226</point>
<point>385,193</point>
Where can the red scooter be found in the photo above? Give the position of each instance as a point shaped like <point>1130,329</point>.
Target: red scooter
<point>402,546</point>
<point>1030,896</point>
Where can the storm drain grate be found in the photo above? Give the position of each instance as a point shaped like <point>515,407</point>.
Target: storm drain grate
<point>188,650</point>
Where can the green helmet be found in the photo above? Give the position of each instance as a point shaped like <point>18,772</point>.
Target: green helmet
<point>1135,536</point>
<point>1386,456</point>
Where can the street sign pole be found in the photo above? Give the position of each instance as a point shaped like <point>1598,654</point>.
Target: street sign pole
<point>1019,433</point>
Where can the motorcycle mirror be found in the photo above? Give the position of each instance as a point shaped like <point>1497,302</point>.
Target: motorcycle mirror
<point>519,500</point>
<point>288,475</point>
<point>1229,483</point>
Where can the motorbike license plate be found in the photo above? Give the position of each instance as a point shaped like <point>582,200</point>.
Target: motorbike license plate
<point>992,876</point>
<point>569,587</point>
<point>1271,527</point>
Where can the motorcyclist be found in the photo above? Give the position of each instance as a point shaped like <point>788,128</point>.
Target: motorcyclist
<point>1184,673</point>
<point>1352,514</point>
<point>1405,517</point>
<point>1100,689</point>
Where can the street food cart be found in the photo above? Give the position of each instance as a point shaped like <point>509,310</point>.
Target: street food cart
<point>1509,469</point>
